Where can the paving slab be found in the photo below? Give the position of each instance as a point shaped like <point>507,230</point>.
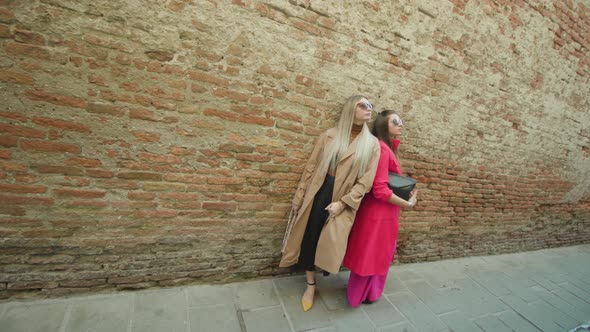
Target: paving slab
<point>162,310</point>
<point>208,295</point>
<point>472,298</point>
<point>351,320</point>
<point>516,322</point>
<point>333,292</point>
<point>394,284</point>
<point>492,323</point>
<point>217,318</point>
<point>458,322</point>
<point>530,312</point>
<point>256,294</point>
<point>435,300</point>
<point>383,312</point>
<point>266,320</point>
<point>403,327</point>
<point>106,314</point>
<point>416,312</point>
<point>41,317</point>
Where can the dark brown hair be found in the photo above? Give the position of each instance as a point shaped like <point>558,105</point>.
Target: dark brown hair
<point>381,128</point>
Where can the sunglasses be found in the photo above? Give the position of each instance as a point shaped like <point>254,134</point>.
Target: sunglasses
<point>365,105</point>
<point>397,121</point>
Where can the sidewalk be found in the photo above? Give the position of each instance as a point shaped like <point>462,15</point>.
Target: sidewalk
<point>546,290</point>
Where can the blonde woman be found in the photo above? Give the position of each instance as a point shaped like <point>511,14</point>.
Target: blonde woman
<point>339,172</point>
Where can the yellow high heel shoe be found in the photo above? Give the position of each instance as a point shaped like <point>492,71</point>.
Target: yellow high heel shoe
<point>306,304</point>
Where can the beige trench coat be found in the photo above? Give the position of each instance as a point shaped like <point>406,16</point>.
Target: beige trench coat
<point>334,236</point>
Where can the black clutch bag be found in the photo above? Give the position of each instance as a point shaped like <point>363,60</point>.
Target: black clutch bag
<point>401,186</point>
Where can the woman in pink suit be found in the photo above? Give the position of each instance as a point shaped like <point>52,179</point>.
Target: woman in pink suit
<point>372,241</point>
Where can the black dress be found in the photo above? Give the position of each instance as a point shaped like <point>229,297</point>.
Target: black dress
<point>317,218</point>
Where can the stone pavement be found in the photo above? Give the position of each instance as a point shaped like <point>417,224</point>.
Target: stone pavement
<point>546,290</point>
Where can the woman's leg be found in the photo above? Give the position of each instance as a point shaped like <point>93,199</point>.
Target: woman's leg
<point>375,289</point>
<point>357,289</point>
<point>316,221</point>
<point>308,295</point>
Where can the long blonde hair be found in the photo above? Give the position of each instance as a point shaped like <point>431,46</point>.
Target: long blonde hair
<point>337,148</point>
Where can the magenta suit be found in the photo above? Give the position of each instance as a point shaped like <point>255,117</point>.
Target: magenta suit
<point>372,241</point>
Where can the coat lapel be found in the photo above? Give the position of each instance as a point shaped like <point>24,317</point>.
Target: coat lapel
<point>350,150</point>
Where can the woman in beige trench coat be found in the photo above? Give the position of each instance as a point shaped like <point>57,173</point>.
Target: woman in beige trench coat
<point>339,172</point>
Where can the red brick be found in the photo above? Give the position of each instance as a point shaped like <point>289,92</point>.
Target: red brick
<point>141,195</point>
<point>5,31</point>
<point>225,180</point>
<point>133,204</point>
<point>156,214</point>
<point>22,189</point>
<point>105,109</point>
<point>300,79</point>
<point>254,207</point>
<point>15,77</point>
<point>168,159</point>
<point>142,114</point>
<point>25,200</point>
<point>203,77</point>
<point>57,99</point>
<point>140,176</point>
<point>223,206</point>
<point>6,16</point>
<point>85,204</point>
<point>196,88</point>
<point>66,170</point>
<point>258,100</point>
<point>118,184</point>
<point>15,116</point>
<point>8,141</point>
<point>106,41</point>
<point>79,193</point>
<point>14,167</point>
<point>67,125</point>
<point>29,37</point>
<point>31,51</point>
<point>246,198</point>
<point>233,95</point>
<point>99,173</point>
<point>185,178</point>
<point>16,211</point>
<point>257,120</point>
<point>49,146</point>
<point>85,162</point>
<point>176,196</point>
<point>165,106</point>
<point>179,151</point>
<point>130,86</point>
<point>21,131</point>
<point>164,94</point>
<point>146,137</point>
<point>253,157</point>
<point>116,97</point>
<point>5,154</point>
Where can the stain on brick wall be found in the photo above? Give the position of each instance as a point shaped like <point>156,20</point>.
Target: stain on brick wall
<point>158,143</point>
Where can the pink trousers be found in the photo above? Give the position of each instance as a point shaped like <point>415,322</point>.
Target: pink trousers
<point>364,288</point>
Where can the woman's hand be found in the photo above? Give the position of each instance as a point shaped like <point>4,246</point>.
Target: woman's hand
<point>413,199</point>
<point>335,208</point>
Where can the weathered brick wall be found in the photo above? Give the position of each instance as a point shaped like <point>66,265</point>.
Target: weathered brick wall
<point>155,143</point>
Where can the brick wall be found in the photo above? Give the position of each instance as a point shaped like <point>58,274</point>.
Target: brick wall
<point>157,143</point>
